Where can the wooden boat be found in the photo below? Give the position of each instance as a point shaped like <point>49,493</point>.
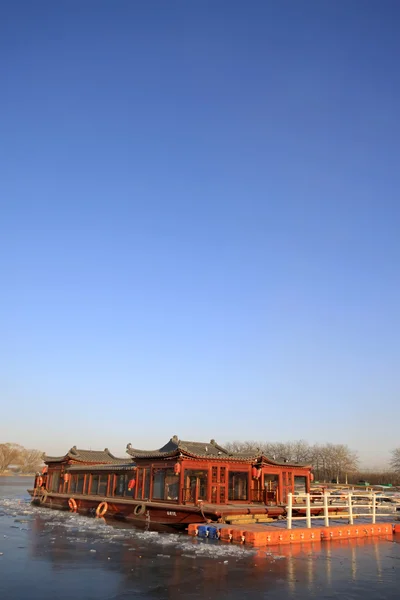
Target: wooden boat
<point>180,483</point>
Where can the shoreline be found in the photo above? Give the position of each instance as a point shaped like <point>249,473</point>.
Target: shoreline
<point>17,475</point>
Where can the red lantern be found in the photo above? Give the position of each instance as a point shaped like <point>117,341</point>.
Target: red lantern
<point>311,477</point>
<point>258,473</point>
<point>254,472</point>
<point>131,484</point>
<point>44,470</point>
<point>66,477</point>
<point>177,468</point>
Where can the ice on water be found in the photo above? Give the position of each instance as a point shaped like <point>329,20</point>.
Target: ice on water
<point>79,529</point>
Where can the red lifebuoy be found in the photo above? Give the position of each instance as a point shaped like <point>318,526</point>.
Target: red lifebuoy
<point>72,505</point>
<point>101,509</point>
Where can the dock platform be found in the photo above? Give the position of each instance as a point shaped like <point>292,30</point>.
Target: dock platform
<point>263,535</point>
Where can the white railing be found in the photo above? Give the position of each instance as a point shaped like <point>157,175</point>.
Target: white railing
<point>328,502</point>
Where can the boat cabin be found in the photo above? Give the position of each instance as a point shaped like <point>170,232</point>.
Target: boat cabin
<point>94,472</point>
<point>180,472</point>
<point>186,472</point>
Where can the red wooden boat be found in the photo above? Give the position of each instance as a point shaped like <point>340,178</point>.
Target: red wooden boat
<point>183,482</point>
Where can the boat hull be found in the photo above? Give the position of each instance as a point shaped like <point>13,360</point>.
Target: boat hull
<point>151,515</point>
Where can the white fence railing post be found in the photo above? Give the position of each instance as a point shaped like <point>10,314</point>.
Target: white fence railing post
<point>350,505</point>
<point>308,511</point>
<point>348,501</point>
<point>290,510</point>
<point>326,510</point>
<point>373,508</point>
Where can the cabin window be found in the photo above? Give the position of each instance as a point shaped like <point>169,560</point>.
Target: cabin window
<point>237,485</point>
<point>300,485</point>
<point>79,484</point>
<point>72,487</point>
<point>94,485</point>
<point>165,485</point>
<point>55,481</point>
<point>122,485</point>
<point>270,482</point>
<point>146,487</point>
<point>195,485</point>
<point>102,489</point>
<point>271,486</point>
<point>171,485</point>
<point>158,484</point>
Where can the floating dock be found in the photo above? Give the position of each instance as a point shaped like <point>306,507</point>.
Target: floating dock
<point>263,535</point>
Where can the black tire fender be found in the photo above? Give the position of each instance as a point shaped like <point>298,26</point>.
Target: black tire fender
<point>139,509</point>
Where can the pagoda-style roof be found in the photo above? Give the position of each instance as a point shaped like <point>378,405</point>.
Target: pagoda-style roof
<point>85,456</point>
<point>176,447</point>
<point>261,458</point>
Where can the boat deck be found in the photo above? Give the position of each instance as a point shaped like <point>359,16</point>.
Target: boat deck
<point>216,509</point>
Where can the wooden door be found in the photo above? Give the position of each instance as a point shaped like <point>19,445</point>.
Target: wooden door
<point>218,485</point>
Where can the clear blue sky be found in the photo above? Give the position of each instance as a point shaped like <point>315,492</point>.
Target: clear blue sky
<point>200,222</point>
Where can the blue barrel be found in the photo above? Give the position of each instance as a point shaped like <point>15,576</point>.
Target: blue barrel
<point>212,532</point>
<point>202,531</point>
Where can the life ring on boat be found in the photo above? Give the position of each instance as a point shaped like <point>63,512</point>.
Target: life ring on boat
<point>139,509</point>
<point>101,509</point>
<point>72,505</point>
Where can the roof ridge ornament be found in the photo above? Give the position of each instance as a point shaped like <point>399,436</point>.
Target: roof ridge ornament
<point>175,439</point>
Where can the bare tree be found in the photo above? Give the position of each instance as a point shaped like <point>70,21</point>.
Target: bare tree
<point>278,451</point>
<point>300,451</point>
<point>317,460</point>
<point>395,460</point>
<point>247,446</point>
<point>30,461</point>
<point>9,454</point>
<point>330,461</point>
<point>333,461</point>
<point>342,461</point>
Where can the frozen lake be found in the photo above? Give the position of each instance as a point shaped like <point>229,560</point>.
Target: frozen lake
<point>53,555</point>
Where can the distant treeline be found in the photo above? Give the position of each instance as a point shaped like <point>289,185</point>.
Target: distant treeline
<point>330,462</point>
<point>21,459</point>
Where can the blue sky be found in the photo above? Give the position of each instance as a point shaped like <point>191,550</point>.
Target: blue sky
<point>200,223</point>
